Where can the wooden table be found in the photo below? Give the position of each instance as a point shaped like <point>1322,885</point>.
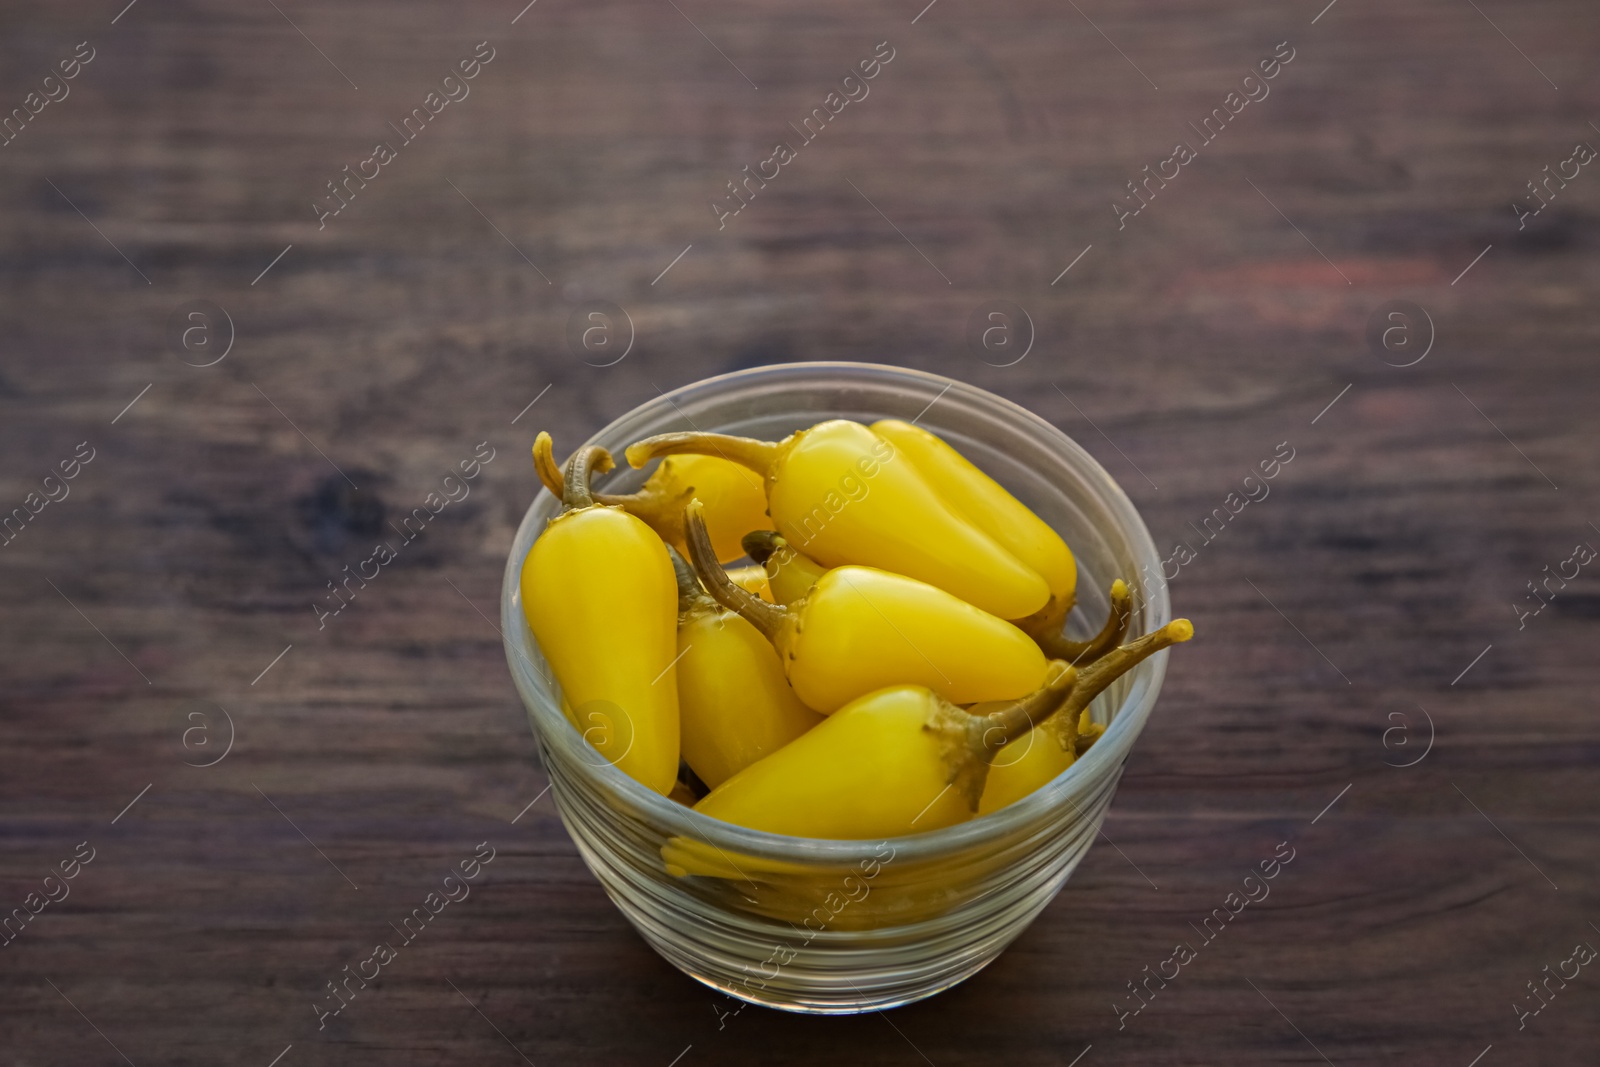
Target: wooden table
<point>1365,608</point>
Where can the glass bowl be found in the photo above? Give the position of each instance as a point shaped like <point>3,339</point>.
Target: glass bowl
<point>827,926</point>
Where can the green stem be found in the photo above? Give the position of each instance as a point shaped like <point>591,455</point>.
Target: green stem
<point>759,456</point>
<point>1098,676</point>
<point>768,618</point>
<point>762,545</point>
<point>657,510</point>
<point>987,734</point>
<point>968,742</point>
<point>690,591</point>
<point>1057,646</point>
<point>585,462</point>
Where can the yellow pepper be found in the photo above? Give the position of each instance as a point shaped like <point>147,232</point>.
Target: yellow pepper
<point>599,594</point>
<point>898,761</point>
<point>734,705</point>
<point>987,505</point>
<point>843,494</point>
<point>790,574</point>
<point>894,762</point>
<point>1023,766</point>
<point>735,499</point>
<point>860,629</point>
<point>1052,746</point>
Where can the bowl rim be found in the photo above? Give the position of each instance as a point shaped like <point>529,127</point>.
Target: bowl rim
<point>552,729</point>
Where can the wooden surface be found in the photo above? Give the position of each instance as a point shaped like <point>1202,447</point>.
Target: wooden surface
<point>1180,350</point>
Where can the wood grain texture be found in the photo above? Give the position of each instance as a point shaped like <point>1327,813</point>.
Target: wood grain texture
<point>1180,350</point>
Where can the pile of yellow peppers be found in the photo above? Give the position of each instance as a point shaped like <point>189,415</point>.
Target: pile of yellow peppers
<point>892,663</point>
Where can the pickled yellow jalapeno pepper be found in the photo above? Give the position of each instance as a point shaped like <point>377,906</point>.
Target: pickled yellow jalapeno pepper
<point>1051,747</point>
<point>899,761</point>
<point>1023,766</point>
<point>790,574</point>
<point>734,705</point>
<point>860,629</point>
<point>988,506</point>
<point>735,499</point>
<point>599,594</point>
<point>842,494</point>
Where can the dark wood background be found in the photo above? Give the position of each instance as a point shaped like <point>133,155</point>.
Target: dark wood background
<point>378,351</point>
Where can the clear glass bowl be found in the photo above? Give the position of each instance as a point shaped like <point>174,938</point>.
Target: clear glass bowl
<point>827,926</point>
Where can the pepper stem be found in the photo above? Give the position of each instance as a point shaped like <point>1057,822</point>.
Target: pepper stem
<point>971,741</point>
<point>585,462</point>
<point>759,456</point>
<point>1051,641</point>
<point>1085,738</point>
<point>762,545</point>
<point>657,510</point>
<point>987,734</point>
<point>768,618</point>
<point>690,591</point>
<point>1098,676</point>
<point>545,466</point>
